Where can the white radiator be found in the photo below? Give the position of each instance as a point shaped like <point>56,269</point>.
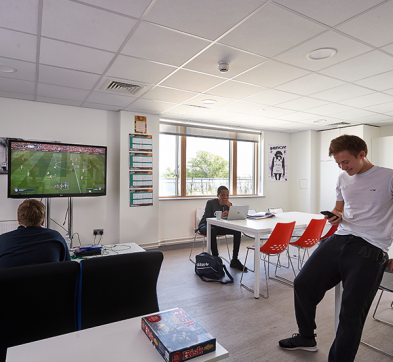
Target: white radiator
<point>8,225</point>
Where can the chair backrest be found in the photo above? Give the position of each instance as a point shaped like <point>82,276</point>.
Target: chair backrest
<point>331,231</point>
<point>279,238</point>
<point>312,234</point>
<point>198,216</point>
<point>275,210</point>
<point>37,302</point>
<point>118,287</point>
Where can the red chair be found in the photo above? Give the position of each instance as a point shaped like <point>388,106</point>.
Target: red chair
<point>310,237</point>
<point>198,216</point>
<point>276,244</point>
<point>331,231</point>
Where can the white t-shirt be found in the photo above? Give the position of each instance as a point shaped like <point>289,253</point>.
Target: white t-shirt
<point>368,205</point>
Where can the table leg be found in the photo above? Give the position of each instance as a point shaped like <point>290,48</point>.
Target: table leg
<point>338,291</point>
<point>208,237</point>
<point>257,266</point>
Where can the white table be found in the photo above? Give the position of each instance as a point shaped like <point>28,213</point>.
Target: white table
<point>122,341</point>
<point>258,228</point>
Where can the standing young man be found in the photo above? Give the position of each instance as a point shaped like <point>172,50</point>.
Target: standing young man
<point>355,255</point>
<point>221,203</point>
<point>30,243</point>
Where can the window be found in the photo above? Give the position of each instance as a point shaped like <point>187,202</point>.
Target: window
<point>194,165</point>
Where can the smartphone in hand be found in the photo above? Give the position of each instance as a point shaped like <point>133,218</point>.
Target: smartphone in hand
<point>329,214</point>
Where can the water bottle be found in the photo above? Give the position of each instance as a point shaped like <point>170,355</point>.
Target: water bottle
<point>68,241</point>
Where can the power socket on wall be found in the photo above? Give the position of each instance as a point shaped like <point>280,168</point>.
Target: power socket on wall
<point>98,231</point>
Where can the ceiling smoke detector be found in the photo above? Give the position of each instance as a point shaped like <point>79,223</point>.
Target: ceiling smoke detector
<point>122,88</point>
<point>223,67</point>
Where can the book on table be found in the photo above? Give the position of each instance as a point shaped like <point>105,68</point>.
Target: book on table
<point>177,336</point>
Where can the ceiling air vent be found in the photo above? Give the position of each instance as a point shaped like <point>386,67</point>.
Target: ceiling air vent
<point>122,88</point>
<point>339,124</point>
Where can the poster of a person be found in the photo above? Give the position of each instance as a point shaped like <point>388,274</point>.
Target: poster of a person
<point>278,165</point>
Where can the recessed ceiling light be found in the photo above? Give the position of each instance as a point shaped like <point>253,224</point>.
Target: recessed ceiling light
<point>321,54</point>
<point>320,121</point>
<point>209,101</point>
<point>6,69</point>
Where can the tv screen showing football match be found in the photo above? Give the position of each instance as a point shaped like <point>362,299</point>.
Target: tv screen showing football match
<point>43,169</point>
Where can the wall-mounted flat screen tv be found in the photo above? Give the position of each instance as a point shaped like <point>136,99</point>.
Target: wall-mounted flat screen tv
<point>44,169</point>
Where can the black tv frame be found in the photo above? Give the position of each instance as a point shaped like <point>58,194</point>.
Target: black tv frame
<point>49,195</point>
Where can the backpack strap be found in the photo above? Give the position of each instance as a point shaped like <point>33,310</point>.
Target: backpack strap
<point>219,281</point>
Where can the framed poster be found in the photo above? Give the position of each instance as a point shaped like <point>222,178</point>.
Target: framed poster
<point>278,163</point>
<point>140,125</point>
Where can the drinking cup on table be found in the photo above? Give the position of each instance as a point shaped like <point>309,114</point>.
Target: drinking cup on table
<point>218,215</point>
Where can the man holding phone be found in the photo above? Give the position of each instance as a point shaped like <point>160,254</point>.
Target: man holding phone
<point>355,255</point>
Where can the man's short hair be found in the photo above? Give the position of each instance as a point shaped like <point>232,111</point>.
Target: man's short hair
<point>220,189</point>
<point>353,144</point>
<point>31,213</point>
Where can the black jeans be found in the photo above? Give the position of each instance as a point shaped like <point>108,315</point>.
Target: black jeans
<point>216,230</point>
<point>360,267</point>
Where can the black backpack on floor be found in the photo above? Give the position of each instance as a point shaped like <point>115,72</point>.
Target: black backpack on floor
<point>211,267</point>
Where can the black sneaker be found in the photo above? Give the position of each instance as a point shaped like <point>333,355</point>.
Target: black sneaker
<point>299,342</point>
<point>236,264</point>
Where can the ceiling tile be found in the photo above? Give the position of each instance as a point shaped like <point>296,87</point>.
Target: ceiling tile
<point>368,100</point>
<point>342,92</point>
<point>329,109</point>
<point>197,101</point>
<point>389,91</point>
<point>139,70</point>
<point>271,97</point>
<point>271,112</point>
<point>375,118</point>
<point>134,8</point>
<point>165,94</point>
<point>310,84</point>
<point>7,94</point>
<point>330,12</point>
<point>72,56</point>
<point>191,81</point>
<point>353,115</point>
<point>234,90</point>
<point>163,45</point>
<point>298,116</point>
<point>239,61</point>
<point>24,70</point>
<point>365,65</point>
<point>277,30</point>
<point>271,74</point>
<point>388,48</point>
<point>184,110</point>
<point>151,106</point>
<point>111,99</point>
<point>242,107</point>
<point>381,108</point>
<point>67,77</point>
<point>303,103</point>
<point>16,86</point>
<point>378,82</point>
<point>66,102</point>
<point>346,48</point>
<point>80,24</point>
<point>374,27</point>
<point>200,17</point>
<point>18,45</point>
<point>105,107</point>
<point>55,91</point>
<point>19,15</point>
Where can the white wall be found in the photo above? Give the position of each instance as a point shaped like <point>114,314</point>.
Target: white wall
<point>386,131</point>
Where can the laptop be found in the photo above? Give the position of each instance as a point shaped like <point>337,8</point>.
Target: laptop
<point>387,280</point>
<point>237,212</point>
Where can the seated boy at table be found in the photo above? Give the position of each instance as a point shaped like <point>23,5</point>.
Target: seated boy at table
<point>221,203</point>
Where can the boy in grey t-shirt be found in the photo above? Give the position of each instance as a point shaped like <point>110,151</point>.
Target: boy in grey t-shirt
<point>355,255</point>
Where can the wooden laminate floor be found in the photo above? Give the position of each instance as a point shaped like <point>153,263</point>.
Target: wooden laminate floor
<point>250,328</point>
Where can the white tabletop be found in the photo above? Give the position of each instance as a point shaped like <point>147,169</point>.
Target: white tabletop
<point>258,228</point>
<point>122,341</point>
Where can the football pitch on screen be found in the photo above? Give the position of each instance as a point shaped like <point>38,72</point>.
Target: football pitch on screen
<point>42,172</point>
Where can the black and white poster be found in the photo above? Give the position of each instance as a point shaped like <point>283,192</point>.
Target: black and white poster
<point>278,163</point>
<point>3,155</point>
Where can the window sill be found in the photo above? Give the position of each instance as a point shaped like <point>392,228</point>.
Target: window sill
<point>209,197</point>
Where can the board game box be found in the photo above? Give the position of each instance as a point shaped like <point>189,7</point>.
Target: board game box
<point>177,336</point>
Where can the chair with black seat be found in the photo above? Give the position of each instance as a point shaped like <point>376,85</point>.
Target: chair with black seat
<point>198,216</point>
<point>118,287</point>
<point>37,302</point>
